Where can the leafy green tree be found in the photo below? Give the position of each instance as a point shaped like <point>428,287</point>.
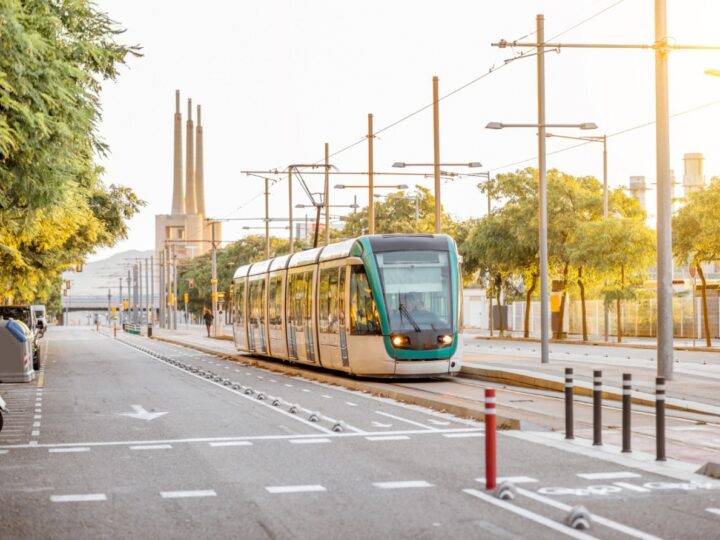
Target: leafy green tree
<point>620,248</point>
<point>696,238</point>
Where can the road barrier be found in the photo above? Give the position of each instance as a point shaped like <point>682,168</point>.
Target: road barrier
<point>569,390</point>
<point>597,408</point>
<point>660,418</point>
<point>490,442</point>
<point>626,413</point>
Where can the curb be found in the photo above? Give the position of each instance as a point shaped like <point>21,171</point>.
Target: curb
<point>596,343</point>
<point>512,378</point>
<point>463,411</point>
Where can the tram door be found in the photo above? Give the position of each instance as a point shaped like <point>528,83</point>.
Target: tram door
<point>256,315</point>
<point>331,317</point>
<point>276,299</point>
<point>239,329</point>
<point>300,327</point>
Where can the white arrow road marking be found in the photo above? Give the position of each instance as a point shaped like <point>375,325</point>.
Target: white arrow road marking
<point>141,414</point>
<point>380,424</point>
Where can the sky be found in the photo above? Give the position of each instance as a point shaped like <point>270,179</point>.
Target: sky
<point>279,78</point>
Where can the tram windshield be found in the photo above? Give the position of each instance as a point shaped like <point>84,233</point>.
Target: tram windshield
<point>416,285</point>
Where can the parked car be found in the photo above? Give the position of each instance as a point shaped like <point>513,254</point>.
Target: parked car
<point>25,315</point>
<point>41,317</point>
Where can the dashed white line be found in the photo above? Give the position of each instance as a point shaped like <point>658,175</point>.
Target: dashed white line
<point>309,441</point>
<point>388,438</point>
<point>273,380</point>
<point>304,390</point>
<point>184,494</point>
<point>406,420</point>
<point>35,433</point>
<point>609,475</point>
<point>288,385</point>
<point>38,416</point>
<point>439,422</point>
<point>631,487</point>
<point>351,404</point>
<point>4,451</point>
<point>462,435</point>
<point>36,424</point>
<point>151,447</point>
<point>295,489</point>
<point>513,479</point>
<point>326,396</point>
<point>231,443</point>
<point>71,449</point>
<point>403,484</point>
<point>79,498</point>
<point>537,518</point>
<point>713,510</point>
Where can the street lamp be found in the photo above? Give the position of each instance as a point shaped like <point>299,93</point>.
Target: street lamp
<point>365,186</point>
<point>402,164</point>
<point>542,203</point>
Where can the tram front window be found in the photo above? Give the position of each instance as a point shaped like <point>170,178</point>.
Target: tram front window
<point>416,285</point>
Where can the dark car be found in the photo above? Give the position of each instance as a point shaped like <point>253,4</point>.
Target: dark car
<point>26,315</point>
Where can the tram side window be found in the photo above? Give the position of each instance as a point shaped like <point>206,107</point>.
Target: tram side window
<point>240,303</point>
<point>257,292</point>
<point>275,300</point>
<point>364,319</point>
<point>298,310</point>
<point>328,298</point>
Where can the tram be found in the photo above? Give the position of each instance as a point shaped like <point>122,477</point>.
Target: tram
<point>376,306</point>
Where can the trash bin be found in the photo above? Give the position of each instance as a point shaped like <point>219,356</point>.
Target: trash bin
<point>149,328</point>
<point>16,354</point>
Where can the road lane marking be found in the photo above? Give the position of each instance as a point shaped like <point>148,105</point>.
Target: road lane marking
<point>309,441</point>
<point>625,529</point>
<point>388,438</point>
<point>295,489</point>
<point>79,498</point>
<point>288,385</point>
<point>35,433</point>
<point>532,516</point>
<point>184,494</point>
<point>631,487</point>
<point>38,416</point>
<point>71,449</point>
<point>403,484</point>
<point>351,404</point>
<point>326,396</point>
<point>513,479</point>
<point>151,447</point>
<point>407,421</point>
<point>713,510</point>
<point>4,451</point>
<point>380,424</point>
<point>231,443</point>
<point>304,390</point>
<point>462,435</point>
<point>36,424</point>
<point>609,475</point>
<point>439,422</point>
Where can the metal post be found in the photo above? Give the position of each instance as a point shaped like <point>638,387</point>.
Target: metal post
<point>597,408</point>
<point>606,311</point>
<point>213,282</point>
<point>490,442</point>
<point>120,308</point>
<point>135,294</point>
<point>660,417</point>
<point>694,310</point>
<point>436,155</point>
<point>327,194</point>
<point>626,414</point>
<point>267,218</point>
<point>569,433</point>
<point>109,310</point>
<point>371,178</point>
<point>152,289</point>
<point>174,288</point>
<point>140,291</point>
<point>161,298</point>
<point>542,198</point>
<point>664,198</point>
<point>147,294</point>
<point>130,299</point>
<point>290,206</point>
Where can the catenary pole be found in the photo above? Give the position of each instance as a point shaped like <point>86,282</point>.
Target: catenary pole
<point>542,197</point>
<point>371,177</point>
<point>436,154</point>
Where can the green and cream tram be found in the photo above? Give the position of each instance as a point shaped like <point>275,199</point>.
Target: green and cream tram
<point>380,306</point>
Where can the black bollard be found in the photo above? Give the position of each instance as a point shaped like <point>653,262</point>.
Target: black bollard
<point>660,417</point>
<point>569,403</point>
<point>626,419</point>
<point>597,410</point>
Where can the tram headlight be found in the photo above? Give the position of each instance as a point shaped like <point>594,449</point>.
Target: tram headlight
<point>445,340</point>
<point>400,341</point>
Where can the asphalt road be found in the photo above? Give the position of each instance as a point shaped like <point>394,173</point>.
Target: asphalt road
<point>91,456</point>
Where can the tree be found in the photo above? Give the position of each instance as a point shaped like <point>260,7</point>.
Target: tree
<point>54,207</point>
<point>621,248</point>
<point>696,238</point>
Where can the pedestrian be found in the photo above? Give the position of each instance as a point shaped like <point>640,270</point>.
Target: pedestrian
<point>208,318</point>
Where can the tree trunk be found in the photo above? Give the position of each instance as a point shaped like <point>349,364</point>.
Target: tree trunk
<point>561,314</point>
<point>581,285</point>
<point>706,320</point>
<point>619,304</point>
<point>528,303</point>
<point>501,320</point>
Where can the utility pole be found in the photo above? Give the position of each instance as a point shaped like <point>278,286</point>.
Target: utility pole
<point>135,293</point>
<point>152,289</point>
<point>174,288</point>
<point>109,309</point>
<point>267,219</point>
<point>129,288</point>
<point>161,298</point>
<point>290,208</point>
<point>436,155</point>
<point>214,282</point>
<point>120,308</point>
<point>606,214</point>
<point>147,294</point>
<point>327,194</point>
<point>140,291</point>
<point>371,177</point>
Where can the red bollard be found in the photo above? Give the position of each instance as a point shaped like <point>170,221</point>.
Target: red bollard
<point>490,449</point>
